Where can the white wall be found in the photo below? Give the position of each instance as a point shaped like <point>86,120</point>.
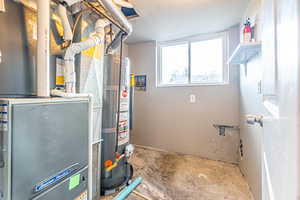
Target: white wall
<point>251,103</point>
<point>164,118</point>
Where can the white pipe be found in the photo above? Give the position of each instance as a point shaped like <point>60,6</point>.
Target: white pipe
<point>2,6</point>
<point>123,3</point>
<point>43,48</point>
<point>61,93</point>
<point>117,14</point>
<point>62,11</point>
<point>75,48</point>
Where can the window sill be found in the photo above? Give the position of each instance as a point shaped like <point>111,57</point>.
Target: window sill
<point>191,85</point>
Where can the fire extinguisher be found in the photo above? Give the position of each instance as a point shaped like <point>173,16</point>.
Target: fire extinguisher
<point>247,31</point>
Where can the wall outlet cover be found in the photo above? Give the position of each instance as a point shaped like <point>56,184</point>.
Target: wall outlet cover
<point>193,98</point>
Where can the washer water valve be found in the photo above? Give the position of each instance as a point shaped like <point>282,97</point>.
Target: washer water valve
<point>222,128</point>
<point>129,149</point>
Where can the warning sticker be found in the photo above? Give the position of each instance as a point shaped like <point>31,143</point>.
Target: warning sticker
<point>124,101</point>
<point>123,138</point>
<point>123,116</point>
<point>60,78</point>
<point>3,117</point>
<point>123,130</point>
<point>82,196</point>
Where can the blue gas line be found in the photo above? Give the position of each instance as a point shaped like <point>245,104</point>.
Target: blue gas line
<point>127,191</point>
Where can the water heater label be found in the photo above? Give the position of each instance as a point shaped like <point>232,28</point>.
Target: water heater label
<point>123,128</point>
<point>124,100</point>
<point>3,108</point>
<point>3,117</point>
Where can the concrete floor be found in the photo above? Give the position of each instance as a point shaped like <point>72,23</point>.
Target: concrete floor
<point>171,176</point>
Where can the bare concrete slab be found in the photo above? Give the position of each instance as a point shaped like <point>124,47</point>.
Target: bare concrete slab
<point>171,176</point>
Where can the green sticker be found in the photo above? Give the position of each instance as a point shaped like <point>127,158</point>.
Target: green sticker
<point>74,181</point>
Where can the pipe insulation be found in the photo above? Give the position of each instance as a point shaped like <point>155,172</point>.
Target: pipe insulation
<point>68,34</point>
<point>43,48</point>
<point>118,15</point>
<point>75,48</point>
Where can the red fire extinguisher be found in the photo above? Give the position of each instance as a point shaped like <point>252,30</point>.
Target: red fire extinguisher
<point>247,31</point>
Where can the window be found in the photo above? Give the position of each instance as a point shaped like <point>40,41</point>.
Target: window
<point>193,62</point>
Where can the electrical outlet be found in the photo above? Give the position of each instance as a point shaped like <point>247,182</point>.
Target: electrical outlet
<point>193,98</point>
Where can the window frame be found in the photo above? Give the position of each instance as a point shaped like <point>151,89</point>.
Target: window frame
<point>160,45</point>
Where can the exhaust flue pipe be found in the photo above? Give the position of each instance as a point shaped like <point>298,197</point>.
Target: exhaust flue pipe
<point>43,48</point>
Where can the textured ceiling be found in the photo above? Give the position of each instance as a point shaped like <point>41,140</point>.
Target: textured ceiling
<point>171,19</point>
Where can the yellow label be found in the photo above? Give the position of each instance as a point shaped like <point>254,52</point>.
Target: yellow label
<point>132,80</point>
<point>94,52</point>
<point>60,80</point>
<point>58,24</point>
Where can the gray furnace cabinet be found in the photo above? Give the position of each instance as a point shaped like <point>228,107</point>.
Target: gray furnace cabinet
<point>44,148</point>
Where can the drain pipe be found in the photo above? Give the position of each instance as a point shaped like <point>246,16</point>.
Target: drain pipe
<point>43,48</point>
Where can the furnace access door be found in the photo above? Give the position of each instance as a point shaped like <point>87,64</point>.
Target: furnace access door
<point>44,148</point>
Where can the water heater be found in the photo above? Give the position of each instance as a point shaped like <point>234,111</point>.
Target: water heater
<point>116,171</point>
